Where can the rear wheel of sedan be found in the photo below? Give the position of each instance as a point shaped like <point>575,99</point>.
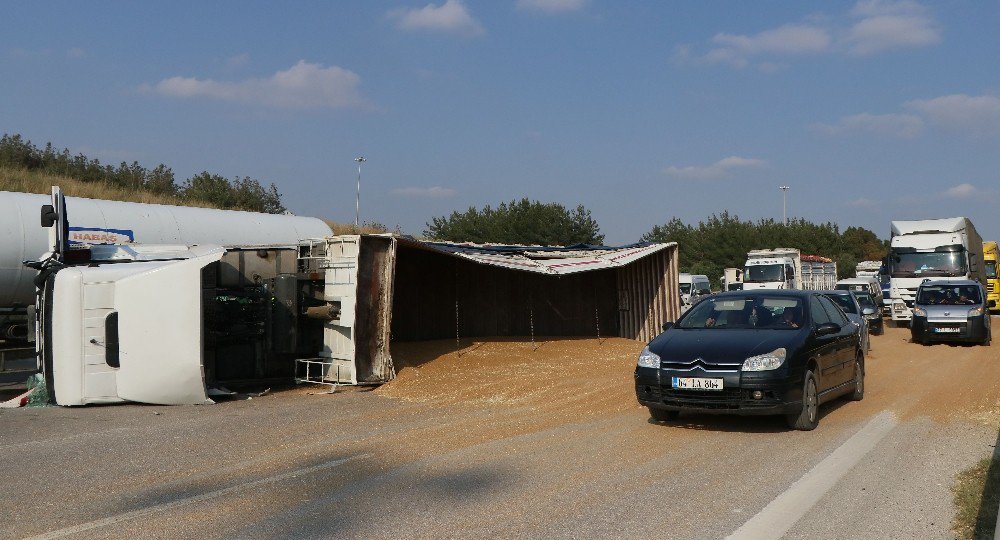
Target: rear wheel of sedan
<point>663,415</point>
<point>808,416</point>
<point>859,379</point>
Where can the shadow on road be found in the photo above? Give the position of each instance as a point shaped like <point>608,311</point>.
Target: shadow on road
<point>742,424</point>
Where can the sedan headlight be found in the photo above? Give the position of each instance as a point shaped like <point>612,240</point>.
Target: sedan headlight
<point>975,312</point>
<point>766,361</point>
<point>919,312</point>
<point>649,359</point>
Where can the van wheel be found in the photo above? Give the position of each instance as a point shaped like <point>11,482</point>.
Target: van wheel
<point>859,379</point>
<point>808,417</point>
<point>663,415</point>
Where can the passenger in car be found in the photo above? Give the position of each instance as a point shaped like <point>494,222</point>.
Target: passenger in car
<point>790,317</point>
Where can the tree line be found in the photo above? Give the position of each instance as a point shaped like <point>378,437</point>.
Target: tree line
<point>723,240</point>
<point>238,193</point>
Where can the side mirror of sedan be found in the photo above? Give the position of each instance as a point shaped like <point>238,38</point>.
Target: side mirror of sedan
<point>827,329</point>
<point>668,326</point>
<point>868,311</point>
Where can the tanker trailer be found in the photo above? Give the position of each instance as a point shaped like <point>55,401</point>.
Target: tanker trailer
<point>94,221</point>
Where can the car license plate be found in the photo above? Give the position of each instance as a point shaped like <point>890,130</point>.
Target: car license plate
<point>947,330</point>
<point>696,383</point>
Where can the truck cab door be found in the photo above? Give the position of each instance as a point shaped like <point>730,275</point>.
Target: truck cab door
<point>129,331</point>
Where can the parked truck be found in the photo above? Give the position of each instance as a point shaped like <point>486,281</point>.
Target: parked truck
<point>930,249</point>
<point>867,269</point>
<point>732,279</point>
<point>990,256</point>
<point>787,268</point>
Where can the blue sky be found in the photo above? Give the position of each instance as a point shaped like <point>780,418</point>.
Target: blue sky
<point>641,111</point>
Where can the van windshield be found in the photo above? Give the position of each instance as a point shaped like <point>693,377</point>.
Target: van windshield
<point>685,288</point>
<point>949,295</point>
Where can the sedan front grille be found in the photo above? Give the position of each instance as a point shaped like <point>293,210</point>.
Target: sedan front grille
<point>727,398</point>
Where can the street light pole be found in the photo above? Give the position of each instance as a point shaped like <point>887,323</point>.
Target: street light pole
<point>784,205</point>
<point>357,200</point>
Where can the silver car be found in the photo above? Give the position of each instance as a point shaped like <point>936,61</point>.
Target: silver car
<point>951,310</point>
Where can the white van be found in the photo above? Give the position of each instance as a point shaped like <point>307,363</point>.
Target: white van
<point>692,287</point>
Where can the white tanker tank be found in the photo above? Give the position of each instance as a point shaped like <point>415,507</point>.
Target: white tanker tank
<point>94,221</point>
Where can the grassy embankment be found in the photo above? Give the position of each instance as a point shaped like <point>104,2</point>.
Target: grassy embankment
<point>977,495</point>
<point>24,181</point>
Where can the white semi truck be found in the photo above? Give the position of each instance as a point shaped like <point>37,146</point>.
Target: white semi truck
<point>930,249</point>
<point>787,268</point>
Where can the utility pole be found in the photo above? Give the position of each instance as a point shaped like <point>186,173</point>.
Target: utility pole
<point>784,204</point>
<point>357,200</point>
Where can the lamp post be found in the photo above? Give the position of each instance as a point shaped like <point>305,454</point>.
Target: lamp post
<point>357,200</point>
<point>784,205</point>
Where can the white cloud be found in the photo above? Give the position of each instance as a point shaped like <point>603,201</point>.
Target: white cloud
<point>904,126</point>
<point>451,16</point>
<point>433,192</point>
<point>238,60</point>
<point>717,170</point>
<point>303,85</point>
<point>960,111</point>
<point>551,6</point>
<point>884,25</point>
<point>738,50</point>
<point>862,203</point>
<point>962,191</point>
<point>877,26</point>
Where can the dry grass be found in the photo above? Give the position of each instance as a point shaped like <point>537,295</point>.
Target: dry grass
<point>977,495</point>
<point>25,181</point>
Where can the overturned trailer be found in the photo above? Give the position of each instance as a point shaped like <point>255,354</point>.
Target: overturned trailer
<point>166,324</point>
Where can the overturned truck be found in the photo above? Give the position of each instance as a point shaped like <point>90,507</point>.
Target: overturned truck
<point>168,324</point>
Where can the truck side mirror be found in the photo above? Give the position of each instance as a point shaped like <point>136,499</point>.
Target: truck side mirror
<point>992,304</point>
<point>49,215</point>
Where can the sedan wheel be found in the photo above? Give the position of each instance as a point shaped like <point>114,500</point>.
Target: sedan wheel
<point>808,416</point>
<point>859,380</point>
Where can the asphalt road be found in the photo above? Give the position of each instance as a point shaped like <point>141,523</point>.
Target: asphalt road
<point>365,464</point>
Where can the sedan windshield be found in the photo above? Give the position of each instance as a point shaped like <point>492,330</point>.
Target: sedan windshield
<point>949,294</point>
<point>762,312</point>
<point>845,302</point>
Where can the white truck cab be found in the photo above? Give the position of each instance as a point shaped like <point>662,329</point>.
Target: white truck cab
<point>930,249</point>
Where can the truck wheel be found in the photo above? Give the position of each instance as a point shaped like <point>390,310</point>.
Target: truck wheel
<point>663,415</point>
<point>808,416</point>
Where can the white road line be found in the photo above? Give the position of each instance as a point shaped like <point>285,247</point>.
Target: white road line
<point>59,533</point>
<point>786,509</point>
